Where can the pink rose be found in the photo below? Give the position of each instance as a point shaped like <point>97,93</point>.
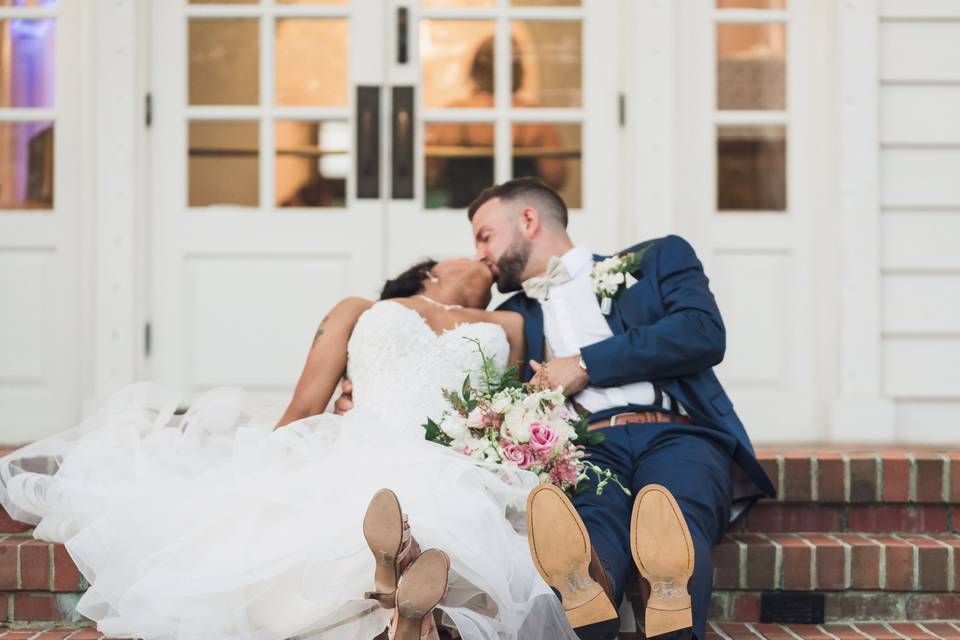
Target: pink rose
<point>518,454</point>
<point>543,437</point>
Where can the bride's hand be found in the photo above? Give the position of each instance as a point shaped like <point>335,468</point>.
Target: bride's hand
<point>345,402</point>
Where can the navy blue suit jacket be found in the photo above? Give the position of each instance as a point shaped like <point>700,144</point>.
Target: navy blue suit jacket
<point>667,330</point>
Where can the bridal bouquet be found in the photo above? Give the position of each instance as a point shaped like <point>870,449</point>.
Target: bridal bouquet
<point>503,421</point>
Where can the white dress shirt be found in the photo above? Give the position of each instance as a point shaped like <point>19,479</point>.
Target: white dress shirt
<point>572,320</point>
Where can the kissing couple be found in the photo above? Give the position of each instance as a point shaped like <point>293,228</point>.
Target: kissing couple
<point>228,523</point>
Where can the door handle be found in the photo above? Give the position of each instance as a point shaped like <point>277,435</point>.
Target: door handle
<point>403,150</point>
<point>368,142</point>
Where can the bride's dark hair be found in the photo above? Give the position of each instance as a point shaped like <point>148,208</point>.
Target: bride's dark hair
<point>409,283</point>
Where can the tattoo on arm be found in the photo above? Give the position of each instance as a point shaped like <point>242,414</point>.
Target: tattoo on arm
<point>319,333</point>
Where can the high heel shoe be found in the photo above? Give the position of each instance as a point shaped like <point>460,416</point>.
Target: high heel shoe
<point>421,588</point>
<point>387,533</point>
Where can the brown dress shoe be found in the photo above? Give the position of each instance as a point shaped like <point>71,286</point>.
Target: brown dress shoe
<point>561,552</point>
<point>663,552</point>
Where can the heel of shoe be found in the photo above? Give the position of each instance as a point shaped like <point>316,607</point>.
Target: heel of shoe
<point>597,608</point>
<point>660,621</point>
<point>386,600</point>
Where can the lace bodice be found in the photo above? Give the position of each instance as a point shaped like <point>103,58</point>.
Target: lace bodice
<point>399,366</point>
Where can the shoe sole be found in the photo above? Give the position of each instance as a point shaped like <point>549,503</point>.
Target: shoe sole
<point>560,548</point>
<point>383,531</point>
<point>421,588</point>
<point>663,552</point>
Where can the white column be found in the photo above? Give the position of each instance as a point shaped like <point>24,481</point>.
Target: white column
<point>860,412</point>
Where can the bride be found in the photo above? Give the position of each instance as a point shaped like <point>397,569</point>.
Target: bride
<point>227,523</point>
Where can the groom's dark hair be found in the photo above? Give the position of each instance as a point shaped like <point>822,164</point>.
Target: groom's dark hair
<point>547,201</point>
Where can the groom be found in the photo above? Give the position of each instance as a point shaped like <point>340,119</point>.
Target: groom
<point>642,374</point>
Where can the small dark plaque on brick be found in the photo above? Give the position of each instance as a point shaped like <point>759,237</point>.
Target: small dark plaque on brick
<point>791,607</point>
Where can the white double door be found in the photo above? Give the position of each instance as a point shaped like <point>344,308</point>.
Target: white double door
<point>303,152</point>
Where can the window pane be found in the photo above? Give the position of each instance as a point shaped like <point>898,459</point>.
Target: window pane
<point>311,1</point>
<point>224,62</point>
<point>553,153</point>
<point>311,62</point>
<point>26,63</point>
<point>752,168</point>
<point>312,163</point>
<point>26,165</point>
<point>751,4</point>
<point>547,63</point>
<point>224,163</point>
<point>28,3</point>
<point>457,58</point>
<point>458,164</point>
<point>224,1</point>
<point>459,3</point>
<point>546,3</point>
<point>751,66</point>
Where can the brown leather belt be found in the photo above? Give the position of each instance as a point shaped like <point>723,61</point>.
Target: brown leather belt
<point>641,417</point>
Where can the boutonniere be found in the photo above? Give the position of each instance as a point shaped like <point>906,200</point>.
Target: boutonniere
<point>610,277</point>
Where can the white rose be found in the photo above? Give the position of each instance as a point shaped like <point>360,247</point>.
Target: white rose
<point>455,426</point>
<point>475,419</point>
<point>502,402</point>
<point>515,424</point>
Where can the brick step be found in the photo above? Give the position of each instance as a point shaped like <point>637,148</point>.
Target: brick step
<point>34,632</point>
<point>837,631</point>
<point>839,561</point>
<point>863,475</point>
<point>841,606</point>
<point>768,516</point>
<point>32,565</point>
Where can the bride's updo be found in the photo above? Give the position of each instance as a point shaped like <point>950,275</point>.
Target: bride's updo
<point>409,283</point>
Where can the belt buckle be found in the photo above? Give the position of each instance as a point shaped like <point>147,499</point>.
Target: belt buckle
<point>613,419</point>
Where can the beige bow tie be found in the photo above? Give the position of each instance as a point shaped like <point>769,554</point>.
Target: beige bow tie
<point>539,287</point>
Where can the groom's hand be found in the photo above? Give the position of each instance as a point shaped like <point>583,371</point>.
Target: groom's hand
<point>561,372</point>
<point>345,402</point>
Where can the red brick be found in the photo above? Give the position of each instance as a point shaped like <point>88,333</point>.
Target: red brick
<point>777,517</point>
<point>831,559</point>
<point>933,606</point>
<point>899,564</point>
<point>929,477</point>
<point>944,630</point>
<point>19,635</point>
<point>831,477</point>
<point>710,635</point>
<point>54,634</point>
<point>797,478</point>
<point>66,576</point>
<point>37,607</point>
<point>773,632</point>
<point>86,634</point>
<point>726,562</point>
<point>842,631</point>
<point>953,540</point>
<point>761,562</point>
<point>955,520</point>
<point>864,560</point>
<point>796,556</point>
<point>809,632</point>
<point>772,468</point>
<point>8,563</point>
<point>896,477</point>
<point>954,477</point>
<point>865,605</point>
<point>34,565</point>
<point>745,607</point>
<point>878,631</point>
<point>737,631</point>
<point>718,606</point>
<point>863,477</point>
<point>9,525</point>
<point>911,631</point>
<point>897,518</point>
<point>933,563</point>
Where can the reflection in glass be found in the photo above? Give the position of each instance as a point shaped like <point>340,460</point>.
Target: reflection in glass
<point>26,165</point>
<point>311,62</point>
<point>224,1</point>
<point>312,163</point>
<point>29,3</point>
<point>751,4</point>
<point>459,3</point>
<point>311,1</point>
<point>26,63</point>
<point>545,3</point>
<point>224,163</point>
<point>553,153</point>
<point>549,56</point>
<point>751,66</point>
<point>224,62</point>
<point>752,168</point>
<point>457,63</point>
<point>458,162</point>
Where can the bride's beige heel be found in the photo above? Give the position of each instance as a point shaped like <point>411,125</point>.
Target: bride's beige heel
<point>421,588</point>
<point>385,533</point>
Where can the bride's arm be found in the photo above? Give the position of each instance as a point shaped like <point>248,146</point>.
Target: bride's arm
<point>512,323</point>
<point>326,362</point>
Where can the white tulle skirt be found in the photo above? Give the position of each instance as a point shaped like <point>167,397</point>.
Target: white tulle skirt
<point>215,526</point>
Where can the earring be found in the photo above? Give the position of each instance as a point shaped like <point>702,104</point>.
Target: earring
<point>434,279</point>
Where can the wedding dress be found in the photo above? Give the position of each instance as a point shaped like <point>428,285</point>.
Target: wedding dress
<point>211,525</point>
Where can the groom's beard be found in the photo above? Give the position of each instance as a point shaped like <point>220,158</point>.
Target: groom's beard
<point>511,266</point>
